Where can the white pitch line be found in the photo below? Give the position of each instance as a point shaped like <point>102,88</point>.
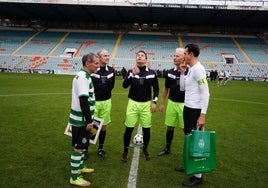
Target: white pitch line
<point>132,178</point>
<point>37,94</point>
<point>240,101</point>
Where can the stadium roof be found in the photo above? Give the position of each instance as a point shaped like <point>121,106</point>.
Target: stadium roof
<point>179,17</point>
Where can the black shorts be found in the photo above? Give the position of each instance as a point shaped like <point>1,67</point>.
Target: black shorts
<point>80,137</point>
<point>190,117</point>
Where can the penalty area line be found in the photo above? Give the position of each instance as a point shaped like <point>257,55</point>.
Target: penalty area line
<point>133,173</point>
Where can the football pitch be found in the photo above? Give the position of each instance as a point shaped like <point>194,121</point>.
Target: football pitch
<point>34,110</point>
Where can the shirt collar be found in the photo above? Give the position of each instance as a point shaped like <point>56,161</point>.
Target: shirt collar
<point>106,68</point>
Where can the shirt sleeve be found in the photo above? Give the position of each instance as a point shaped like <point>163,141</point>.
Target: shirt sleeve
<point>85,109</point>
<point>83,86</point>
<point>113,81</point>
<point>155,89</point>
<point>127,79</point>
<point>204,98</point>
<point>204,91</point>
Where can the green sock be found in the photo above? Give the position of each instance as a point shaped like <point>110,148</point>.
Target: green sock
<point>76,158</point>
<point>82,161</point>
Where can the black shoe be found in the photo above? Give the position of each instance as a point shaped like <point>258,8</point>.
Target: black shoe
<point>179,169</point>
<point>192,181</point>
<point>124,157</point>
<point>102,153</point>
<point>146,155</point>
<point>164,152</point>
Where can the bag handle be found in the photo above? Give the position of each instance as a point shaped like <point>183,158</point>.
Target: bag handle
<point>199,129</point>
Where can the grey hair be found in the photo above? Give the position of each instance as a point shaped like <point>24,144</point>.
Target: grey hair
<point>180,50</point>
<point>100,52</point>
<point>88,58</point>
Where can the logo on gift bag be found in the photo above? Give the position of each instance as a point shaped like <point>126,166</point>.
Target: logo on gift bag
<point>201,143</point>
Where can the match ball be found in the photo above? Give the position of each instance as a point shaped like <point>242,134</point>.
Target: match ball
<point>138,139</point>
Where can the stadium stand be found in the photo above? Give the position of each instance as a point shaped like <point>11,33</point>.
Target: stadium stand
<point>212,48</point>
<point>82,42</point>
<point>159,48</point>
<point>47,50</point>
<point>41,43</point>
<point>255,48</point>
<point>10,40</point>
<point>55,42</point>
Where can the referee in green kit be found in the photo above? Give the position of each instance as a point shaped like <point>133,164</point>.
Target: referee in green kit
<point>103,80</point>
<point>141,103</point>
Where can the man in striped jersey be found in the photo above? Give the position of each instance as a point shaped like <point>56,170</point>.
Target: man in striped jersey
<point>81,117</point>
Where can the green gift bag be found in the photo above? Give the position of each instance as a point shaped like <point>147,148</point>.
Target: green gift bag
<point>194,165</point>
<point>200,143</point>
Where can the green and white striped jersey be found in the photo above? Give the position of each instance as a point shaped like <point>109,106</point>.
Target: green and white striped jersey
<point>82,86</point>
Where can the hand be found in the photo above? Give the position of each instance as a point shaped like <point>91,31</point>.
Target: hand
<point>89,126</point>
<point>182,68</point>
<point>161,108</point>
<point>201,121</point>
<point>153,107</point>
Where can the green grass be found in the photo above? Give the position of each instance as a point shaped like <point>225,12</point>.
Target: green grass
<point>35,153</point>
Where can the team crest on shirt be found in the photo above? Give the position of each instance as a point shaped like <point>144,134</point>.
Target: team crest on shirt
<point>84,140</point>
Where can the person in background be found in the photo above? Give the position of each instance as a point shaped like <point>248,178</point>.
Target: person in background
<point>175,103</point>
<point>124,72</point>
<point>196,99</point>
<point>103,81</point>
<point>221,77</point>
<point>211,74</point>
<point>215,75</point>
<point>227,77</point>
<point>81,117</point>
<point>141,103</point>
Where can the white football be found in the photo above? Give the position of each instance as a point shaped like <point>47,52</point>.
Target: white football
<point>138,139</point>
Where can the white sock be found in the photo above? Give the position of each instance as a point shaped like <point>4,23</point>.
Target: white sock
<point>198,175</point>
